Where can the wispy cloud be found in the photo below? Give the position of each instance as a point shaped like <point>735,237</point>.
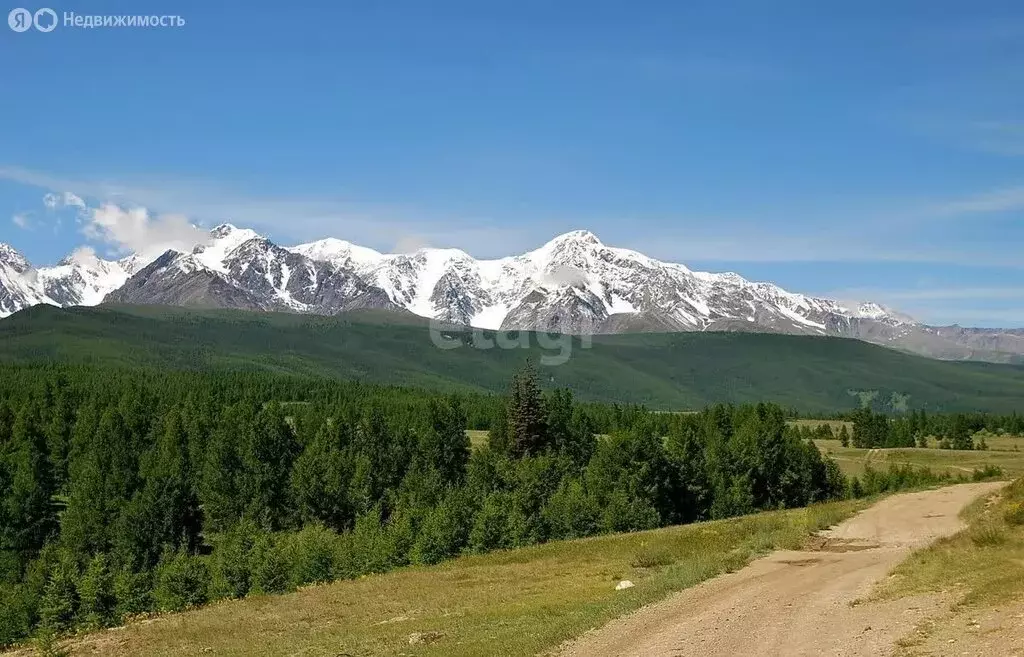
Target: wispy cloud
<point>975,305</point>
<point>135,230</point>
<point>288,219</point>
<point>1000,200</point>
<point>20,220</point>
<point>887,234</point>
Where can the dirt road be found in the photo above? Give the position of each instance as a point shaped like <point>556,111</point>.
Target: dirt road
<point>798,603</point>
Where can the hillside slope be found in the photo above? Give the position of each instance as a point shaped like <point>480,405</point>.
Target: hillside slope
<point>663,370</point>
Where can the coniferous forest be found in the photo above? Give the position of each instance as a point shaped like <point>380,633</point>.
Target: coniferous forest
<point>130,491</point>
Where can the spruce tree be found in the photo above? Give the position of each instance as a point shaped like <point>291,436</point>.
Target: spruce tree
<point>528,431</point>
<point>222,468</point>
<point>29,516</point>
<point>444,446</point>
<point>320,480</point>
<point>267,458</point>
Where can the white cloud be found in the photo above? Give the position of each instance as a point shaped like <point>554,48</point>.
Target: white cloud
<point>293,219</point>
<point>565,275</point>
<point>54,201</point>
<point>20,220</point>
<point>136,230</point>
<point>72,199</point>
<point>888,232</point>
<point>410,244</point>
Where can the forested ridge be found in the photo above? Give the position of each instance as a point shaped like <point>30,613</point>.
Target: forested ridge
<point>128,491</point>
<point>668,371</point>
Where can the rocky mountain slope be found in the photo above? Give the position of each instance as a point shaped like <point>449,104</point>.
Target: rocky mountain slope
<point>572,284</point>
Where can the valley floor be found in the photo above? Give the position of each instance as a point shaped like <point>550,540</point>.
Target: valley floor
<point>848,591</point>
<point>794,603</point>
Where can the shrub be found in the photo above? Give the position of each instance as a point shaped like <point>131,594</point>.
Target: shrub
<point>230,561</point>
<point>488,531</point>
<point>131,593</point>
<point>181,581</point>
<point>268,565</point>
<point>444,532</point>
<point>571,512</point>
<point>989,471</point>
<point>96,594</point>
<point>987,536</point>
<point>60,598</point>
<point>649,557</point>
<point>47,644</point>
<point>310,553</point>
<point>1014,514</point>
<point>17,613</point>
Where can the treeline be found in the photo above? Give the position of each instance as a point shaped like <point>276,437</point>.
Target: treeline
<point>914,429</point>
<point>128,492</point>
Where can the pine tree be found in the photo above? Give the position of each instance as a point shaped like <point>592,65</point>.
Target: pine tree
<point>266,468</point>
<point>528,429</point>
<point>165,511</point>
<point>844,436</point>
<point>222,468</point>
<point>28,513</point>
<point>320,480</point>
<point>444,446</point>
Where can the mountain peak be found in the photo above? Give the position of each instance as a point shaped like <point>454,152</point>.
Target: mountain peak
<point>83,256</point>
<point>577,236</point>
<point>223,230</point>
<point>14,258</point>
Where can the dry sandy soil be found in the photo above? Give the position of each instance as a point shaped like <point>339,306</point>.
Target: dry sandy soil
<point>799,603</point>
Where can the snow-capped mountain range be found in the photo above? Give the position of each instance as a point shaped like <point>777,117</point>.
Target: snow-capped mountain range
<point>572,284</point>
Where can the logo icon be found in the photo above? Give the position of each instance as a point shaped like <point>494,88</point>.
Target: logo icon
<point>20,19</point>
<point>45,19</point>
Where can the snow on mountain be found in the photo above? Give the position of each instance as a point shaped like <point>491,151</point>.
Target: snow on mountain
<point>19,283</point>
<point>339,252</point>
<point>574,283</point>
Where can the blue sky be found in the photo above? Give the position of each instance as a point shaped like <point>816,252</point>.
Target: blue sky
<point>859,150</point>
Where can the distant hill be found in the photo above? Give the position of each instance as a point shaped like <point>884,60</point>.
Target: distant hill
<point>662,370</point>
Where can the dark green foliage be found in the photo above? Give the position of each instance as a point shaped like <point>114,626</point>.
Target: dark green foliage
<point>321,478</point>
<point>668,371</point>
<point>59,606</point>
<point>267,450</point>
<point>132,592</point>
<point>27,515</point>
<point>126,492</point>
<point>527,432</point>
<point>96,594</point>
<point>181,580</point>
<point>571,512</point>
<point>312,553</point>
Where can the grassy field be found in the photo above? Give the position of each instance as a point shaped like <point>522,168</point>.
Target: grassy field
<point>984,563</point>
<point>982,568</point>
<point>665,371</point>
<point>852,459</point>
<point>512,603</point>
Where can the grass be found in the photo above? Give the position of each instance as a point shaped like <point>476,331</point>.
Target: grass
<point>983,564</point>
<point>852,459</point>
<point>477,437</point>
<point>668,371</point>
<point>511,603</point>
